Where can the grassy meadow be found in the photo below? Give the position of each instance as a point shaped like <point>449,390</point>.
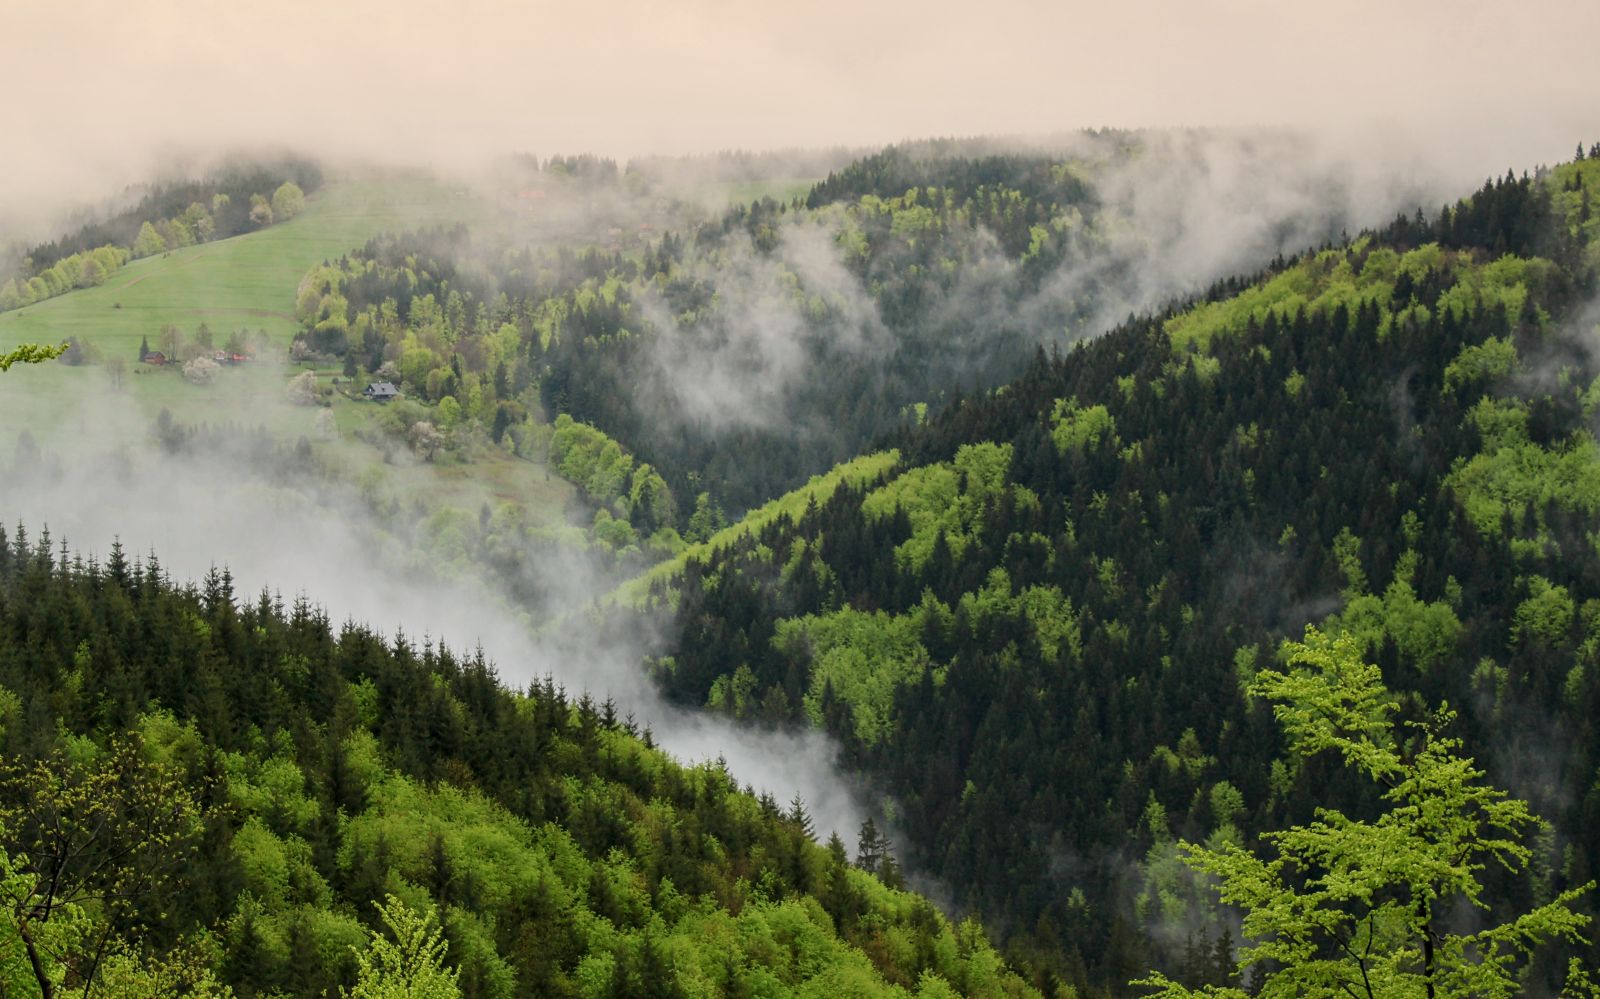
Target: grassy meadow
<point>247,282</point>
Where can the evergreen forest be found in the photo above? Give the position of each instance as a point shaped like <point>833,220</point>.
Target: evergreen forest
<point>1232,640</point>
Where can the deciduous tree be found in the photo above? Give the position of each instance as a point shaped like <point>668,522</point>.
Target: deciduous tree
<point>149,242</point>
<point>288,201</point>
<point>411,966</point>
<point>260,211</point>
<point>302,389</point>
<point>1357,907</point>
<point>30,353</point>
<point>200,370</point>
<point>89,843</point>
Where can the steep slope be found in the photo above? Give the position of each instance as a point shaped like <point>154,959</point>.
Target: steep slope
<point>1035,630</point>
<point>237,784</point>
<point>799,332</point>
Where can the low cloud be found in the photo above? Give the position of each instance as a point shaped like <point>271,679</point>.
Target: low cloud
<point>735,362</point>
<point>105,90</point>
<point>319,540</point>
<point>1170,213</point>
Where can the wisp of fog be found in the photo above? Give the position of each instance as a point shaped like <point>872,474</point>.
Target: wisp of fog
<point>194,512</point>
<point>1191,208</point>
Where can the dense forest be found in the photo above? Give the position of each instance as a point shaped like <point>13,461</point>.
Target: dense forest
<point>1035,621</point>
<point>610,337</point>
<point>1049,602</point>
<point>204,794</point>
<point>798,330</point>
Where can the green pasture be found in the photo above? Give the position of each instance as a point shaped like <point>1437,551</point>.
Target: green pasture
<point>245,282</point>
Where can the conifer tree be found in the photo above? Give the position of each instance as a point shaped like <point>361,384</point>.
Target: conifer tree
<point>870,847</point>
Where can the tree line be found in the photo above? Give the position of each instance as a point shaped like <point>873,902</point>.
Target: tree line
<point>239,795</point>
<point>234,200</point>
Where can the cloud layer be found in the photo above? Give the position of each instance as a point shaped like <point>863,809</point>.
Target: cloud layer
<point>100,90</point>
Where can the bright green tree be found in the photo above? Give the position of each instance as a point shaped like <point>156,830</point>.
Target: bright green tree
<point>30,956</point>
<point>30,353</point>
<point>288,201</point>
<point>1350,908</point>
<point>411,965</point>
<point>148,242</point>
<point>650,500</point>
<point>86,844</point>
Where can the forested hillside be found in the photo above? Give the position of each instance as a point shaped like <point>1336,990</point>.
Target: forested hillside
<point>1034,599</point>
<point>1036,629</point>
<point>797,331</point>
<point>207,795</point>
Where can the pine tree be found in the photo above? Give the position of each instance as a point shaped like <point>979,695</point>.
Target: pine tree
<point>800,817</point>
<point>869,847</point>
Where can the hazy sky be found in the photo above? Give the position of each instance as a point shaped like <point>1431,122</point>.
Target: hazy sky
<point>97,89</point>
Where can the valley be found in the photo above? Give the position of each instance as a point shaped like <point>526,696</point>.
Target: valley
<point>936,576</point>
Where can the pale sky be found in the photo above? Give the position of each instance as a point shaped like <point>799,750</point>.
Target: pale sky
<point>96,90</point>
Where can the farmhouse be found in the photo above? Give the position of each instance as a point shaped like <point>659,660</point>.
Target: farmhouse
<point>381,391</point>
<point>155,357</point>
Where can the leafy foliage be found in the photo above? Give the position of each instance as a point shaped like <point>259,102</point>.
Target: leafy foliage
<point>30,353</point>
<point>1363,906</point>
<point>410,965</point>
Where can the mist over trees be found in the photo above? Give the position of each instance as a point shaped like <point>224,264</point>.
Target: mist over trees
<point>799,331</point>
<point>231,792</point>
<point>1046,600</point>
<point>1037,629</point>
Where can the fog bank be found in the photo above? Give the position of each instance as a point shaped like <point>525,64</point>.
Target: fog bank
<point>202,511</point>
<point>104,90</point>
